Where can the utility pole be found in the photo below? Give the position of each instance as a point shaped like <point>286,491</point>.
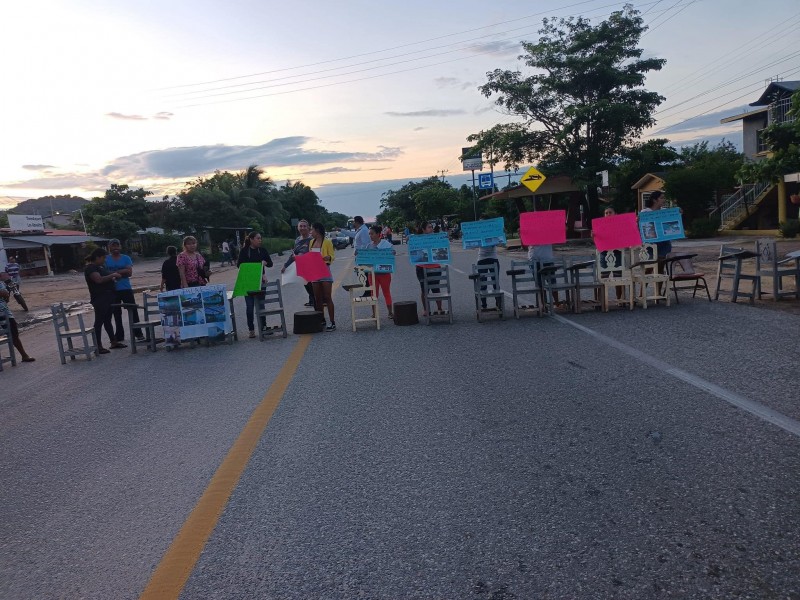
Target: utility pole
<point>442,173</point>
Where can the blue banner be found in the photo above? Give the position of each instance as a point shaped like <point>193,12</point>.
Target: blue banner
<point>381,259</point>
<point>661,225</point>
<point>429,249</point>
<point>488,232</point>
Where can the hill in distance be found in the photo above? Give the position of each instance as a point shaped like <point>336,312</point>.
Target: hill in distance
<point>43,206</point>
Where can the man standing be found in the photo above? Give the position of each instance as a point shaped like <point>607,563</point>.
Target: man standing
<point>360,238</point>
<point>361,234</point>
<point>301,247</point>
<point>226,254</point>
<point>116,262</point>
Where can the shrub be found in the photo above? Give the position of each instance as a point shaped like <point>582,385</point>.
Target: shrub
<point>703,227</point>
<point>278,245</point>
<point>155,244</point>
<point>790,228</point>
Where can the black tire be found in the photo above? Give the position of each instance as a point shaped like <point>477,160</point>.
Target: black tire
<point>21,301</point>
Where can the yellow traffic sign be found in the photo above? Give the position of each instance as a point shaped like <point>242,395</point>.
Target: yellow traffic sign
<point>532,179</point>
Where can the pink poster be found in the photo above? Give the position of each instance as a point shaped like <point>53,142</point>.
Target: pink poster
<point>311,267</point>
<point>617,231</point>
<point>543,227</point>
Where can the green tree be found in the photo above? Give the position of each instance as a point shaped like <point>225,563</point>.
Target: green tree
<point>433,202</point>
<point>783,140</point>
<point>3,219</point>
<point>637,160</point>
<point>301,202</point>
<point>702,176</point>
<point>583,104</point>
<point>400,207</point>
<point>120,213</point>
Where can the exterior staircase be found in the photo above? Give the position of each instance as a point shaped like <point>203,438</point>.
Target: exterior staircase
<point>736,208</point>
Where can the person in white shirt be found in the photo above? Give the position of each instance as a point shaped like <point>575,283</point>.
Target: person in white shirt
<point>360,235</point>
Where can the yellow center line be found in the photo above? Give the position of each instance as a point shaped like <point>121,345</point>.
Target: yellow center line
<point>177,564</point>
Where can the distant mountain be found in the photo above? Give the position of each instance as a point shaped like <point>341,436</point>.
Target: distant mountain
<point>43,206</point>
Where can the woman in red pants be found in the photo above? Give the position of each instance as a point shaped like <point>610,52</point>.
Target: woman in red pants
<point>383,281</point>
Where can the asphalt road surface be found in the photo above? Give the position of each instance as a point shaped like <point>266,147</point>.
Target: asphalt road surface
<point>644,454</point>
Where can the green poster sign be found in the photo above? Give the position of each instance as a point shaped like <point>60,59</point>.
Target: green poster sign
<point>248,279</point>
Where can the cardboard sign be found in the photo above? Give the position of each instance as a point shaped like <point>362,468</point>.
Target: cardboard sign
<point>489,232</point>
<point>616,231</point>
<point>429,249</point>
<point>248,279</point>
<point>311,266</point>
<point>661,225</point>
<point>380,259</point>
<point>543,227</point>
<point>195,312</point>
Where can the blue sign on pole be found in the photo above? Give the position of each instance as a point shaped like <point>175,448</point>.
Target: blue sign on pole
<point>486,181</point>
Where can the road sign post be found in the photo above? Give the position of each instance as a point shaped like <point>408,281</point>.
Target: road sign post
<point>486,181</point>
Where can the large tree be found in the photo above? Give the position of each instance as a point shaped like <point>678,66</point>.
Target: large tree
<point>651,156</point>
<point>583,103</point>
<point>119,213</point>
<point>417,201</point>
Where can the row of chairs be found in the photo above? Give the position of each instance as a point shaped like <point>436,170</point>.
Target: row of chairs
<point>766,264</point>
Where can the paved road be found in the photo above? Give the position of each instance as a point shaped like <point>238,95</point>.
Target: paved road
<point>627,455</point>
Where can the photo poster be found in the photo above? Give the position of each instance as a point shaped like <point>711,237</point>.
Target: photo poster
<point>248,279</point>
<point>380,259</point>
<point>615,232</point>
<point>661,225</point>
<point>429,249</point>
<point>488,232</point>
<point>543,227</point>
<point>195,312</point>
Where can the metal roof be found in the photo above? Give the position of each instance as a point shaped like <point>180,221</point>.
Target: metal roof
<point>52,240</point>
<point>776,90</point>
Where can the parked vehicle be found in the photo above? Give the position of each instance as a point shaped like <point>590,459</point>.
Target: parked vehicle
<point>339,241</point>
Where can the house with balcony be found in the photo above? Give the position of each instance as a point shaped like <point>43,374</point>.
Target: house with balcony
<point>761,206</point>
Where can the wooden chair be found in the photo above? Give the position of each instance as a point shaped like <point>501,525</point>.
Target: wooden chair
<point>768,265</point>
<point>653,285</point>
<point>730,266</point>
<point>613,268</point>
<point>269,303</point>
<point>365,282</point>
<point>691,279</point>
<point>232,308</point>
<point>63,332</point>
<point>552,278</point>
<point>583,276</point>
<point>148,325</point>
<point>437,279</point>
<point>5,338</point>
<point>486,285</point>
<point>523,283</point>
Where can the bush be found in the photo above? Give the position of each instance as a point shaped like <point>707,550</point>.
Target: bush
<point>703,227</point>
<point>790,228</point>
<point>278,245</point>
<point>155,244</point>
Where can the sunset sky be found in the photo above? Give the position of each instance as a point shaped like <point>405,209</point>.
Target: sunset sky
<point>353,97</point>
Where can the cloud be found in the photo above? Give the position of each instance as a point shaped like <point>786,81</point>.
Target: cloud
<point>502,48</point>
<point>340,170</point>
<point>706,121</point>
<point>453,82</point>
<point>116,115</point>
<point>280,152</point>
<point>90,181</point>
<point>37,167</point>
<point>419,128</point>
<point>713,140</point>
<point>485,109</point>
<point>162,116</point>
<point>441,112</point>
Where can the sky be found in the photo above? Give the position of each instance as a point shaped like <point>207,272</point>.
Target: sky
<point>352,98</point>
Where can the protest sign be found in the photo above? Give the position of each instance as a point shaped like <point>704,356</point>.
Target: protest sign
<point>380,259</point>
<point>543,227</point>
<point>428,249</point>
<point>488,232</point>
<point>195,312</point>
<point>616,231</point>
<point>661,225</point>
<point>248,279</point>
<point>311,266</point>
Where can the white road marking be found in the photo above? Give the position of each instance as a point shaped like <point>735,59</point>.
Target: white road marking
<point>755,408</point>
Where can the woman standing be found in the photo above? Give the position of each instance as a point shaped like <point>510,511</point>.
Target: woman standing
<point>102,296</point>
<point>253,253</point>
<point>383,281</point>
<point>170,275</point>
<point>191,264</point>
<point>323,287</point>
